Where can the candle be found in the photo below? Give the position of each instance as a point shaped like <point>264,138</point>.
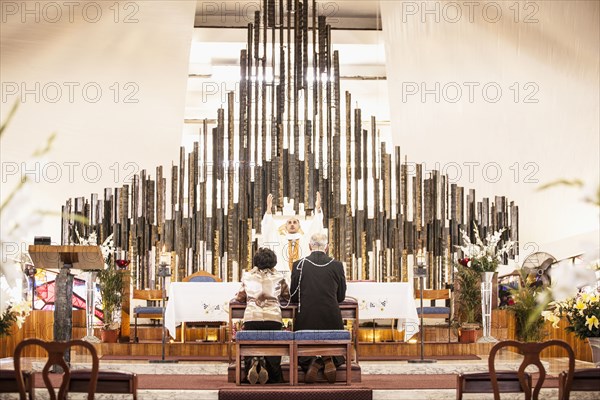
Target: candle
<point>165,257</point>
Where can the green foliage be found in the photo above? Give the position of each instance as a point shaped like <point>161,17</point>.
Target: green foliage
<point>111,289</point>
<point>467,298</point>
<point>527,309</point>
<point>6,321</point>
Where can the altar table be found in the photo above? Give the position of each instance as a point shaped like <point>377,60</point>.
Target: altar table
<point>198,302</point>
<point>209,301</point>
<point>387,300</point>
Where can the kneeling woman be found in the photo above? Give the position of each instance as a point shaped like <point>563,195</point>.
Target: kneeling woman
<point>262,289</point>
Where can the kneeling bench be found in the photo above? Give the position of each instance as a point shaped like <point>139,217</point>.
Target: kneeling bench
<point>264,343</point>
<point>312,343</point>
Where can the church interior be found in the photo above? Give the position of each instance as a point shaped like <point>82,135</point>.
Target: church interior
<point>448,151</point>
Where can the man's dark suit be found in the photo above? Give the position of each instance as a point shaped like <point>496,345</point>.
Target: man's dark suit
<point>322,288</point>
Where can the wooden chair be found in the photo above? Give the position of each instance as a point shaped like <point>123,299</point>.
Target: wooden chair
<point>201,276</point>
<point>8,382</point>
<point>506,381</point>
<point>440,306</point>
<point>56,352</point>
<point>151,310</point>
<point>584,380</point>
<point>108,382</point>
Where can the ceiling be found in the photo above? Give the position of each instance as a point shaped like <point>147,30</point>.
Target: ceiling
<point>214,56</point>
<point>341,14</point>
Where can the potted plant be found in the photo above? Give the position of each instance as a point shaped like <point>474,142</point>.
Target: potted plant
<point>582,312</point>
<point>111,288</point>
<point>525,304</point>
<point>467,304</point>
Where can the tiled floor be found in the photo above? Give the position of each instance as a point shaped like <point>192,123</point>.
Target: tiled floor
<point>507,360</point>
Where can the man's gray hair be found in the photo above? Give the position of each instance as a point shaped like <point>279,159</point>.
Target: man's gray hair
<point>318,241</point>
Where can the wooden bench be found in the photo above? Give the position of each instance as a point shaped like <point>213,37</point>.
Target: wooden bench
<point>340,346</point>
<point>108,382</point>
<point>312,343</point>
<point>264,343</point>
<point>348,308</point>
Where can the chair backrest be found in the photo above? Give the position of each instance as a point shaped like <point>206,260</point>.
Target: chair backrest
<point>56,352</point>
<point>531,356</point>
<point>201,276</point>
<point>148,294</point>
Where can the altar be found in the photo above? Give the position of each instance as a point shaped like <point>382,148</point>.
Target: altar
<point>387,300</point>
<point>198,302</point>
<point>209,302</point>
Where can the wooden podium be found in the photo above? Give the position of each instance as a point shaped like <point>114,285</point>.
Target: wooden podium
<point>65,258</point>
<point>55,257</point>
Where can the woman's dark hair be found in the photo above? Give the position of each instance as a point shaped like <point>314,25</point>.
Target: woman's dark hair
<point>264,258</point>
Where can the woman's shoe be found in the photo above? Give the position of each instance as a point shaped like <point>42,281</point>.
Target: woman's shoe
<point>263,374</point>
<point>253,374</point>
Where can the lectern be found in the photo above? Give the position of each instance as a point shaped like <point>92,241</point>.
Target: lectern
<point>64,258</point>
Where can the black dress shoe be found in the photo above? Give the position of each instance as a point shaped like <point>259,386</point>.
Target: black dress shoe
<point>313,370</point>
<point>329,369</point>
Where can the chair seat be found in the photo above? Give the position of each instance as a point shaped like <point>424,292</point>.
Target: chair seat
<point>147,310</point>
<point>263,335</point>
<point>8,381</point>
<point>480,382</point>
<point>434,310</point>
<point>108,381</point>
<point>322,335</point>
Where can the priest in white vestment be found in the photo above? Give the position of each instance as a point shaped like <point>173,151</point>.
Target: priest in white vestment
<point>290,240</point>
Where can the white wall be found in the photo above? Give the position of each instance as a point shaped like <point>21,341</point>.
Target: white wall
<point>550,49</point>
<point>144,49</point>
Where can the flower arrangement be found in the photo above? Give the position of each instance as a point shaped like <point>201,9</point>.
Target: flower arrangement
<point>483,255</point>
<point>582,312</point>
<point>110,279</point>
<point>527,305</point>
<point>13,312</point>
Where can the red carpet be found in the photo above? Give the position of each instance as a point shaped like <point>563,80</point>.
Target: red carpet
<point>295,394</point>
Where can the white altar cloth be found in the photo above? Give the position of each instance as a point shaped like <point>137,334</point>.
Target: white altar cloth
<point>209,301</point>
<point>387,300</point>
<point>198,302</point>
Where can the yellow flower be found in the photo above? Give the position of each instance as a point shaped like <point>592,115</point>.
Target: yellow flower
<point>550,316</point>
<point>592,322</point>
<point>589,298</point>
<point>580,306</point>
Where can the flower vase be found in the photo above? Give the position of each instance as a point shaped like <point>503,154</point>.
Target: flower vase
<point>595,346</point>
<point>486,307</point>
